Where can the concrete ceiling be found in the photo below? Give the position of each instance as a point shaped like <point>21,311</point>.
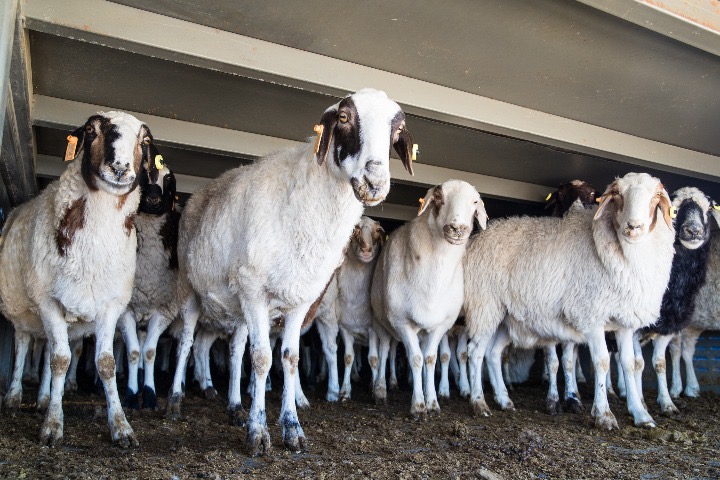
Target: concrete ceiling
<point>515,96</point>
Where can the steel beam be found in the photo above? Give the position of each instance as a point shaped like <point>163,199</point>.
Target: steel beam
<point>142,32</point>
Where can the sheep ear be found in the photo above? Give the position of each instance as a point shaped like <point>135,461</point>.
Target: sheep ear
<point>383,235</point>
<point>75,146</point>
<point>715,211</point>
<point>665,205</point>
<point>404,147</point>
<point>425,202</point>
<point>604,201</point>
<point>326,127</point>
<point>481,215</point>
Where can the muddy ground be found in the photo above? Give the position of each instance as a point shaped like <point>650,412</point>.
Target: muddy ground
<point>358,439</point>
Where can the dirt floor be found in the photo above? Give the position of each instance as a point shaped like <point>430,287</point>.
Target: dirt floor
<point>358,439</point>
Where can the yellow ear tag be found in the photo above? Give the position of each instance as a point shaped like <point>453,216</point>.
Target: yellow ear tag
<point>71,146</point>
<point>159,162</point>
<point>415,151</point>
<point>319,130</point>
<point>673,212</point>
<point>715,206</point>
<point>548,197</point>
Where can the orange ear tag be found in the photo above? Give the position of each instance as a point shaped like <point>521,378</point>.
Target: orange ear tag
<point>319,130</point>
<point>70,149</point>
<point>422,204</point>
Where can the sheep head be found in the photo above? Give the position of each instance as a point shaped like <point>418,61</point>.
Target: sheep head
<point>157,185</point>
<point>693,209</point>
<point>367,239</point>
<point>114,147</point>
<point>454,206</point>
<point>575,194</point>
<point>357,133</point>
<point>634,201</point>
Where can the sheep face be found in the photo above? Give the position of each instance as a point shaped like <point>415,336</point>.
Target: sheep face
<point>693,208</point>
<point>358,133</point>
<point>367,239</point>
<point>636,199</point>
<point>574,195</point>
<point>157,185</point>
<point>454,205</point>
<point>114,146</point>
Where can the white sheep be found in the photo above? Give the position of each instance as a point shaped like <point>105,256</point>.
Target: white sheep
<point>153,304</point>
<point>569,279</point>
<point>418,286</point>
<point>262,241</point>
<point>69,256</point>
<point>346,305</point>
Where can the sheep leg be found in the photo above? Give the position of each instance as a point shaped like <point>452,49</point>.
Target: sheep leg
<point>444,387</point>
<point>622,389</point>
<point>604,418</point>
<point>43,399</point>
<point>293,435</point>
<point>163,353</point>
<point>415,358</point>
<point>393,381</point>
<point>201,354</point>
<point>119,354</point>
<point>328,338</point>
<point>432,342</point>
<point>238,340</point>
<point>76,349</point>
<point>128,328</point>
<point>571,402</point>
<point>301,400</point>
<point>579,374</point>
<point>120,430</point>
<point>610,390</point>
<point>476,352</point>
<point>37,359</point>
<point>27,363</point>
<point>667,407</point>
<point>454,367</point>
<point>349,342</point>
<point>624,339</point>
<point>689,339</point>
<point>639,367</point>
<point>373,355</point>
<point>675,351</point>
<point>357,366</point>
<point>258,323</point>
<point>552,401</point>
<point>462,356</point>
<point>500,341</point>
<point>13,398</point>
<point>156,325</point>
<point>505,364</point>
<point>51,432</point>
<point>380,385</point>
<point>189,312</point>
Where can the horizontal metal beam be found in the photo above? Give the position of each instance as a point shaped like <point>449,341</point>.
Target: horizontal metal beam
<point>693,22</point>
<point>138,31</point>
<point>68,115</point>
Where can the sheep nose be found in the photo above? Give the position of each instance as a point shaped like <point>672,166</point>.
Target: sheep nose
<point>454,230</point>
<point>692,230</point>
<point>119,169</point>
<point>633,225</point>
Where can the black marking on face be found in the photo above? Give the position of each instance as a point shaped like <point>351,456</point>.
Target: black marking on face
<point>347,131</point>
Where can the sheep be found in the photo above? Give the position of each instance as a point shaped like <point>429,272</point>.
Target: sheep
<point>569,279</point>
<point>687,276</point>
<point>347,307</point>
<point>153,303</point>
<point>418,286</point>
<point>262,241</point>
<point>704,317</point>
<point>68,257</point>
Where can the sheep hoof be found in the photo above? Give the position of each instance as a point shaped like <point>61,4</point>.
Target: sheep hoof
<point>692,392</point>
<point>70,386</point>
<point>344,395</point>
<point>210,393</point>
<point>552,406</point>
<point>573,405</point>
<point>237,415</point>
<point>418,411</point>
<point>465,394</point>
<point>444,398</point>
<point>433,410</point>
<point>646,424</point>
<point>393,383</point>
<point>51,433</point>
<point>480,408</point>
<point>149,398</point>
<point>126,440</point>
<point>380,395</point>
<point>43,403</point>
<point>606,421</point>
<point>507,407</point>
<point>293,436</point>
<point>173,406</point>
<point>302,402</point>
<point>669,410</point>
<point>613,398</point>
<point>132,400</point>
<point>11,403</point>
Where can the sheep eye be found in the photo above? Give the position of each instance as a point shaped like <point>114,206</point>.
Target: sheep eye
<point>146,140</point>
<point>343,117</point>
<point>89,129</point>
